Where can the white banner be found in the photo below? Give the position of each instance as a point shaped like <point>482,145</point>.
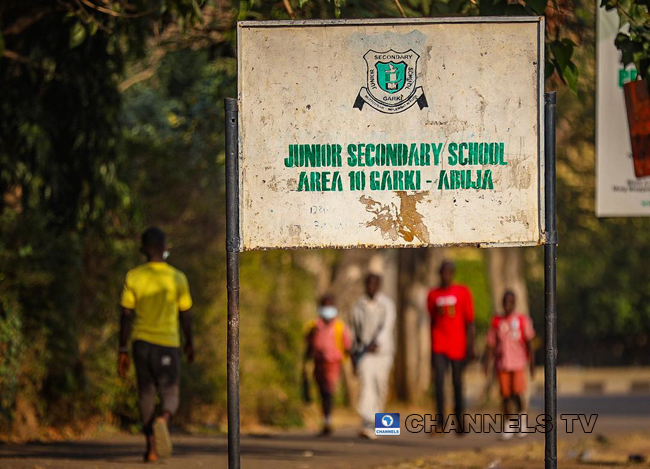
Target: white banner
<point>619,193</point>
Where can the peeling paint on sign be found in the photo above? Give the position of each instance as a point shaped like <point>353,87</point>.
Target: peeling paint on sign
<point>377,133</point>
<point>398,222</point>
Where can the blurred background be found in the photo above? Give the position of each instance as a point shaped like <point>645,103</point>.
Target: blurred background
<point>111,120</point>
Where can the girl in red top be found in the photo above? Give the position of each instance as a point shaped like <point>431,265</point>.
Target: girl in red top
<point>328,342</point>
<point>509,345</point>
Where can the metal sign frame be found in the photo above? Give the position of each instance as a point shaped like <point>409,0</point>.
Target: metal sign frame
<point>548,225</point>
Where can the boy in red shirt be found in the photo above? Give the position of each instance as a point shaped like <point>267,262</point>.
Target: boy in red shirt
<point>509,344</point>
<point>451,310</point>
<point>328,342</point>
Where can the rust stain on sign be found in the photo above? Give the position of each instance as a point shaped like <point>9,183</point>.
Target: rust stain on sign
<point>406,222</point>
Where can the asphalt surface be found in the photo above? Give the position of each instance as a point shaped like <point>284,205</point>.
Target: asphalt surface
<point>300,450</point>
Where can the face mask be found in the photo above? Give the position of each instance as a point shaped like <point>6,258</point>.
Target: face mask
<point>165,255</point>
<point>327,312</point>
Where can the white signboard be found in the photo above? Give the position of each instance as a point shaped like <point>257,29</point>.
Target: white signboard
<point>389,133</point>
<point>619,192</point>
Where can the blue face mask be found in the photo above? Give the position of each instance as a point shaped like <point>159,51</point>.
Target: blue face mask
<point>327,312</point>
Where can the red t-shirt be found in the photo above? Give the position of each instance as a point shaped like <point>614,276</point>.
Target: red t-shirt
<point>450,310</point>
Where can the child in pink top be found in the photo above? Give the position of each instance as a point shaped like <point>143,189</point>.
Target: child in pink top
<point>328,342</point>
<point>509,344</point>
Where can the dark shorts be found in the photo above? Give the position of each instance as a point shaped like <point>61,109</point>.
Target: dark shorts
<point>155,364</point>
<point>158,369</point>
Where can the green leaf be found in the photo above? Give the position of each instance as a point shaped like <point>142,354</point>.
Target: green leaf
<point>538,6</point>
<point>562,51</point>
<point>77,35</point>
<point>629,48</point>
<point>493,8</point>
<point>515,10</point>
<point>569,42</point>
<point>621,39</point>
<point>571,75</point>
<point>426,7</point>
<point>644,68</point>
<point>560,55</point>
<point>455,5</point>
<point>337,7</point>
<point>549,70</point>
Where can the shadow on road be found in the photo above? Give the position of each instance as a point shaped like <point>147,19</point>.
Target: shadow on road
<point>271,448</point>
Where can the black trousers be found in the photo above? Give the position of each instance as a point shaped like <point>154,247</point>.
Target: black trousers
<point>440,364</point>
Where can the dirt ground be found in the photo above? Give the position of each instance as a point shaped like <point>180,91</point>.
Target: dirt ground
<point>589,452</point>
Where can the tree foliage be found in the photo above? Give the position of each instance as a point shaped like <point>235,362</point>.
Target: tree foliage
<point>563,29</point>
<point>65,206</point>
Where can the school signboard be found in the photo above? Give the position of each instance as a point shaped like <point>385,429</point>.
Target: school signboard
<point>391,133</point>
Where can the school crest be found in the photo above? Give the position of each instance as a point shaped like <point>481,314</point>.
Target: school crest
<point>391,82</point>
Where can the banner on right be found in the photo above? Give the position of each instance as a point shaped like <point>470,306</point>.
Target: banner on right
<point>622,181</point>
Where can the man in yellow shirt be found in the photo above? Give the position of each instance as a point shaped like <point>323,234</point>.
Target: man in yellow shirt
<point>155,299</point>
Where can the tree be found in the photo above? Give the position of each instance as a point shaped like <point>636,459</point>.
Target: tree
<point>64,208</point>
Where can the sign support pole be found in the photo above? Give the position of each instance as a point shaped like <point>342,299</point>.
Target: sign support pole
<point>550,292</point>
<point>232,262</point>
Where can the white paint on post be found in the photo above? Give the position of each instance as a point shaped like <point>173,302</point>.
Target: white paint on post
<point>391,133</point>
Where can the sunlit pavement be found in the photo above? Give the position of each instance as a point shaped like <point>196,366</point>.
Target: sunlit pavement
<point>617,414</point>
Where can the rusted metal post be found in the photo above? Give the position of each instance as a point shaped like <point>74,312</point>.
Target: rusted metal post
<point>232,282</point>
<point>550,292</point>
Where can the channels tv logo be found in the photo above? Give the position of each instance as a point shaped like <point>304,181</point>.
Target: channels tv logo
<point>386,424</point>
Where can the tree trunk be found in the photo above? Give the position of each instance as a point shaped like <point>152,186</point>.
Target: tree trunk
<point>506,272</point>
<point>418,272</point>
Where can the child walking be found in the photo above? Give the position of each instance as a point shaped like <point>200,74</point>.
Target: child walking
<point>328,342</point>
<point>509,344</point>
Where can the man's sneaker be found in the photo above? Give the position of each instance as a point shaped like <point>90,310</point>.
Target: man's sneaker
<point>161,437</point>
<point>367,434</point>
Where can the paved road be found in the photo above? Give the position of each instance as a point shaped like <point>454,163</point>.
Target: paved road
<point>304,451</point>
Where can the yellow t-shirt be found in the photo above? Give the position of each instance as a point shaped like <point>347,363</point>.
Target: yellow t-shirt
<point>156,291</point>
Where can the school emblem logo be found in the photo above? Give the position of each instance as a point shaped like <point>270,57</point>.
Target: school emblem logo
<point>391,79</point>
